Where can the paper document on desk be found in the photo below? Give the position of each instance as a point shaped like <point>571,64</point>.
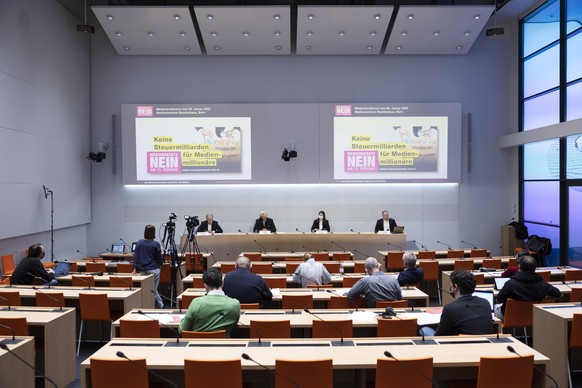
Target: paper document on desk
<point>276,291</point>
<point>422,319</point>
<point>163,318</point>
<point>364,316</point>
<point>342,291</point>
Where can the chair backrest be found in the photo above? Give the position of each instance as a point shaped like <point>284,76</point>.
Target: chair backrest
<point>491,263</point>
<point>186,300</point>
<point>299,259</point>
<point>573,275</point>
<point>204,334</point>
<point>320,256</point>
<point>393,373</point>
<point>278,282</point>
<point>166,274</point>
<point>349,281</point>
<point>546,275</point>
<point>197,282</point>
<point>304,373</point>
<point>576,332</point>
<point>426,255</point>
<point>270,329</point>
<point>262,268</point>
<point>479,253</point>
<point>120,281</point>
<point>92,259</point>
<point>576,295</point>
<point>518,313</point>
<point>397,327</point>
<point>194,262</point>
<point>10,298</point>
<point>464,264</point>
<point>47,299</point>
<point>94,307</point>
<point>124,268</point>
<point>253,256</point>
<point>392,303</point>
<point>226,267</point>
<point>359,267</point>
<point>297,302</point>
<point>19,326</point>
<point>512,262</point>
<point>479,278</point>
<point>95,267</point>
<point>516,372</point>
<point>249,306</point>
<point>290,268</point>
<point>341,256</point>
<point>139,329</point>
<point>332,328</point>
<point>431,270</point>
<point>213,373</point>
<point>455,253</point>
<point>342,302</point>
<point>8,264</point>
<point>113,373</point>
<point>83,281</point>
<point>332,267</point>
<point>394,261</point>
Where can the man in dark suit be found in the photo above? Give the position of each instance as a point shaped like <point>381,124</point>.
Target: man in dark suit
<point>209,225</point>
<point>264,223</point>
<point>245,286</point>
<point>385,223</point>
<point>468,314</point>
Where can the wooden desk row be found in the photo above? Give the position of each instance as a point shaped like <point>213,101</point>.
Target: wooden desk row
<point>453,357</point>
<point>13,371</point>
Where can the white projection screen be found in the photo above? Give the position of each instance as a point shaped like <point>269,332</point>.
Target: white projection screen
<point>228,143</point>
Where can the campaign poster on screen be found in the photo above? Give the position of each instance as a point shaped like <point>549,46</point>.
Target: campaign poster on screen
<point>176,144</point>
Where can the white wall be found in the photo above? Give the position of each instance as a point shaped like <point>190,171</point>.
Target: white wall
<point>44,125</point>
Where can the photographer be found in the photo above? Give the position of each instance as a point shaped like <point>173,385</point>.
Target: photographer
<point>209,225</point>
<point>147,259</point>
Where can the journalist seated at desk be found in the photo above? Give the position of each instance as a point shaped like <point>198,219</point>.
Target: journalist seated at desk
<point>411,274</point>
<point>311,272</point>
<point>244,286</point>
<point>214,311</point>
<point>376,286</point>
<point>525,285</point>
<point>31,268</point>
<point>467,314</point>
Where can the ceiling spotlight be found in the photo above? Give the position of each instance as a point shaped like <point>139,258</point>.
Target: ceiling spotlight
<point>217,48</point>
<point>278,47</point>
<point>307,48</point>
<point>467,33</point>
<point>177,17</point>
<point>277,17</point>
<point>398,47</point>
<point>210,17</point>
<point>309,33</point>
<point>373,33</point>
<point>109,17</point>
<point>370,47</point>
<point>459,47</point>
<point>310,17</point>
<point>150,33</point>
<point>246,33</point>
<point>182,33</point>
<point>187,48</point>
<point>377,17</point>
<point>477,17</point>
<point>86,28</point>
<point>277,33</point>
<point>410,17</point>
<point>126,48</point>
<point>213,33</point>
<point>404,33</point>
<point>341,33</point>
<point>436,33</point>
<point>118,33</point>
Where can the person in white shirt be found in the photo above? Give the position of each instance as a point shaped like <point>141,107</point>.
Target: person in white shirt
<point>385,223</point>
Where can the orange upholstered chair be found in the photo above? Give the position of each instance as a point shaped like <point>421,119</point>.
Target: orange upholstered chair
<point>456,254</point>
<point>262,268</point>
<point>186,300</point>
<point>464,264</point>
<point>349,281</point>
<point>341,256</point>
<point>491,263</point>
<point>270,329</point>
<point>121,281</point>
<point>518,313</point>
<point>397,327</point>
<point>83,281</point>
<point>50,299</point>
<point>204,334</point>
<point>10,298</point>
<point>392,303</point>
<point>321,256</point>
<point>479,253</point>
<point>253,256</point>
<point>426,255</point>
<point>95,267</point>
<point>19,326</point>
<point>394,261</point>
<point>431,274</point>
<point>515,372</point>
<point>397,373</point>
<point>226,267</point>
<point>573,275</point>
<point>291,267</point>
<point>8,263</point>
<point>304,373</point>
<point>124,268</point>
<point>277,282</point>
<point>139,329</point>
<point>297,302</point>
<point>119,373</point>
<point>249,306</point>
<point>93,307</point>
<point>332,329</point>
<point>213,373</point>
<point>576,295</point>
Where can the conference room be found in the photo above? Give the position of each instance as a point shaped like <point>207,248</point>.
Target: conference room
<point>423,110</point>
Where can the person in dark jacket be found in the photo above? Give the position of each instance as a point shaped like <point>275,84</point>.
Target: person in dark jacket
<point>31,268</point>
<point>385,223</point>
<point>209,225</point>
<point>244,286</point>
<point>147,259</point>
<point>525,285</point>
<point>411,274</point>
<point>264,223</point>
<point>321,223</point>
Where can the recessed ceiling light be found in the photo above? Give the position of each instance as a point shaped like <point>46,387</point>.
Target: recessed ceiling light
<point>118,33</point>
<point>150,33</point>
<point>410,17</point>
<point>277,33</point>
<point>246,33</point>
<point>310,17</point>
<point>370,47</point>
<point>210,17</point>
<point>217,48</point>
<point>459,47</point>
<point>436,33</point>
<point>477,17</point>
<point>307,48</point>
<point>467,33</point>
<point>109,17</point>
<point>373,33</point>
<point>177,17</point>
<point>377,17</point>
<point>126,48</point>
<point>182,33</point>
<point>213,33</point>
<point>404,33</point>
<point>277,17</point>
<point>187,48</point>
<point>278,47</point>
<point>341,33</point>
<point>309,33</point>
<point>398,47</point>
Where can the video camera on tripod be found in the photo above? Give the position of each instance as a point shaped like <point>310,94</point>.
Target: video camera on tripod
<point>191,223</point>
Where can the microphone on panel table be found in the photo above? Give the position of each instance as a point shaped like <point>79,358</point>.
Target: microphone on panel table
<point>469,244</point>
<point>272,371</point>
<point>9,328</point>
<point>354,231</point>
<point>259,341</point>
<point>421,244</point>
<point>124,243</point>
<point>38,277</point>
<point>341,342</point>
<point>37,372</point>
<point>394,245</point>
<point>261,245</point>
<point>173,330</point>
<point>159,376</point>
<point>240,231</point>
<point>336,244</point>
<point>83,253</point>
<point>512,350</point>
<point>411,368</point>
<point>300,231</point>
<point>362,253</point>
<point>310,249</point>
<point>7,301</point>
<point>450,248</point>
<point>50,297</point>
